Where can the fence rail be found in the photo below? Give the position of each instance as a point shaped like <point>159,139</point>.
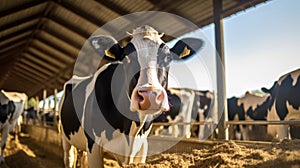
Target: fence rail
<point>290,122</point>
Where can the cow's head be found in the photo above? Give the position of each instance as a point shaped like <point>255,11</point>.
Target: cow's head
<point>146,60</point>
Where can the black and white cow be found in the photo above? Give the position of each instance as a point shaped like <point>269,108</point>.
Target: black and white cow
<point>242,109</point>
<point>11,108</point>
<point>283,104</point>
<point>112,111</point>
<point>186,105</point>
<point>181,102</point>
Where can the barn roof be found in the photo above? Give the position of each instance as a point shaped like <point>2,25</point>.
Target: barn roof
<point>40,39</point>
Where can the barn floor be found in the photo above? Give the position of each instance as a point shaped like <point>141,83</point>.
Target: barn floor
<point>284,154</point>
<point>26,154</point>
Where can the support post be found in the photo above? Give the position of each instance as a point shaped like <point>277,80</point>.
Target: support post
<point>44,107</point>
<point>37,108</point>
<point>220,65</point>
<point>55,108</point>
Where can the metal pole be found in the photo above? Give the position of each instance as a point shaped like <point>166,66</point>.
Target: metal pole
<point>44,106</point>
<point>37,108</point>
<point>55,108</point>
<point>221,87</point>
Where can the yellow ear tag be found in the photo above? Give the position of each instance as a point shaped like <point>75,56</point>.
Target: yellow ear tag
<point>185,52</point>
<point>109,54</point>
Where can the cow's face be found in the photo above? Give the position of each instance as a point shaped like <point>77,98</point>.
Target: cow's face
<point>146,60</point>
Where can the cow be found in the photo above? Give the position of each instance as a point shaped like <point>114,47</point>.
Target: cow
<point>181,101</point>
<point>186,105</point>
<point>283,104</point>
<point>204,100</point>
<point>11,108</point>
<point>111,112</point>
<point>242,109</point>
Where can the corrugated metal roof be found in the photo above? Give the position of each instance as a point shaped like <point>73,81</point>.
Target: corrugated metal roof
<point>40,40</point>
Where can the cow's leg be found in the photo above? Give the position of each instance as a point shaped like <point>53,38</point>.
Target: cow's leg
<point>81,159</point>
<point>141,155</point>
<point>5,132</point>
<point>245,132</point>
<point>69,154</point>
<point>95,157</point>
<point>282,131</point>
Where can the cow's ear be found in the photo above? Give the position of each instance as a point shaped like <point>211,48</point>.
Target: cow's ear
<point>107,47</point>
<point>185,48</point>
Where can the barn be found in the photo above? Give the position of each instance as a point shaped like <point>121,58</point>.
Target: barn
<point>43,41</point>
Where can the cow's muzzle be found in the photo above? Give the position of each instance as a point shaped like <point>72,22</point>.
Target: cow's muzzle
<point>149,99</point>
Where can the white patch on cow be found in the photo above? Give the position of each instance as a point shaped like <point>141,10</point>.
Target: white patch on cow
<point>15,96</point>
<point>185,114</point>
<point>277,131</point>
<point>11,121</point>
<point>147,43</point>
<point>293,114</point>
<point>294,74</point>
<point>3,98</point>
<point>78,139</point>
<point>251,100</point>
<point>19,108</point>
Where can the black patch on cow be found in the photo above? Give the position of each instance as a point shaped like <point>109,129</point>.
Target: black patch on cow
<point>102,112</point>
<point>11,109</point>
<point>72,107</point>
<point>3,113</point>
<point>295,132</point>
<point>7,110</point>
<point>261,111</point>
<point>286,92</point>
<point>234,109</point>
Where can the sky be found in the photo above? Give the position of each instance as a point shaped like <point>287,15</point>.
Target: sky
<point>261,44</point>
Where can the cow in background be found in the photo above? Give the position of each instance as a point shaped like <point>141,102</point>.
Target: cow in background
<point>112,111</point>
<point>11,108</point>
<point>242,109</point>
<point>203,107</point>
<point>186,106</point>
<point>283,104</point>
<point>181,105</point>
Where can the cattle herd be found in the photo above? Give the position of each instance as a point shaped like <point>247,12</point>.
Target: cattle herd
<point>116,109</point>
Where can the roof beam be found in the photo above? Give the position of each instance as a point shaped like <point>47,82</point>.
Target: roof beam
<point>113,7</point>
<point>28,76</point>
<point>30,70</point>
<point>42,55</point>
<point>20,7</point>
<point>50,50</point>
<point>85,15</point>
<point>12,47</point>
<point>58,43</point>
<point>38,61</point>
<point>14,42</point>
<point>70,26</point>
<point>15,38</point>
<point>16,33</point>
<point>19,22</point>
<point>37,67</point>
<point>69,40</point>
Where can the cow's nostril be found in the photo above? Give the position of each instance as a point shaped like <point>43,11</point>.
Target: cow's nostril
<point>140,96</point>
<point>160,96</point>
